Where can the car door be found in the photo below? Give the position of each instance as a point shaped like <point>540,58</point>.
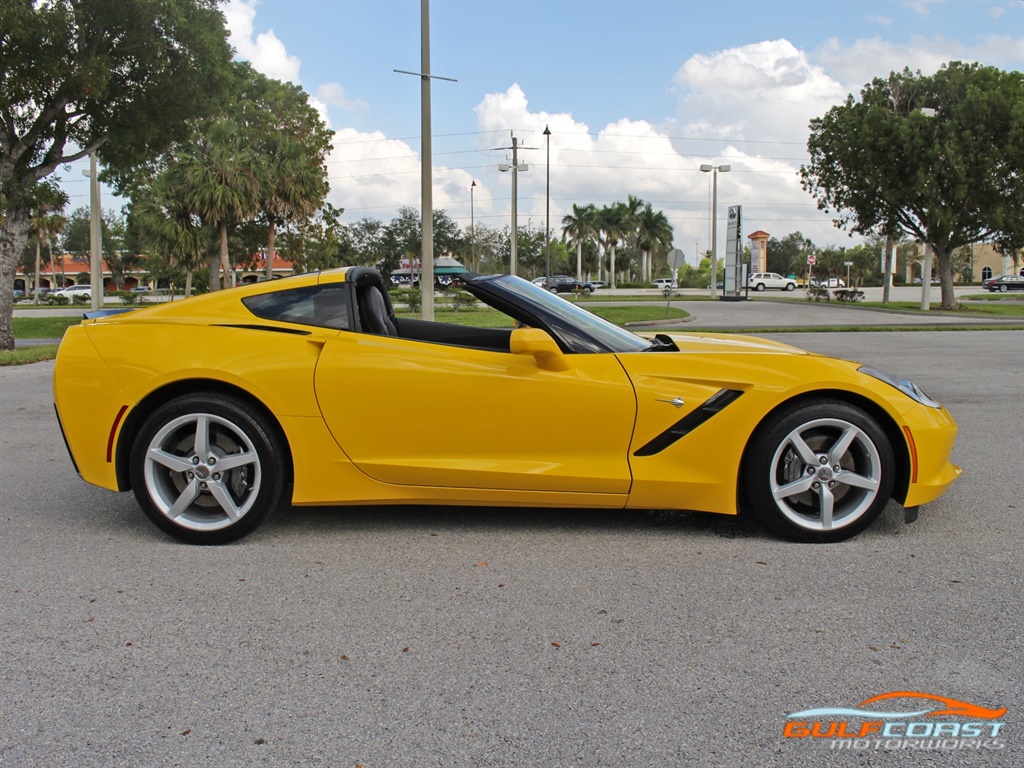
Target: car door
<point>410,412</point>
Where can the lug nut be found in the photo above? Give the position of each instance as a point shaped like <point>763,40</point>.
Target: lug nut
<point>190,475</point>
<point>216,475</point>
<point>832,485</point>
<point>212,461</point>
<point>823,459</point>
<point>810,470</point>
<point>195,459</point>
<point>816,486</point>
<point>837,468</point>
<point>203,486</point>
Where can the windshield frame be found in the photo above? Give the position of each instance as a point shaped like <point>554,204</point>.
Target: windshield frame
<point>574,329</point>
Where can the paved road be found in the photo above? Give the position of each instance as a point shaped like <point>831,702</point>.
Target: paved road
<point>497,637</point>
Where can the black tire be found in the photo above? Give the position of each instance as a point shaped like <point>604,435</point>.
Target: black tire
<point>553,290</point>
<point>179,475</point>
<point>789,487</point>
<point>586,291</point>
<point>759,287</point>
<point>1002,289</point>
<point>790,286</point>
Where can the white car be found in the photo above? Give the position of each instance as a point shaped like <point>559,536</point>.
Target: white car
<point>664,282</point>
<point>761,280</point>
<point>75,290</point>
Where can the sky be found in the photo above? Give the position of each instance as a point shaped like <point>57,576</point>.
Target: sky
<point>637,95</point>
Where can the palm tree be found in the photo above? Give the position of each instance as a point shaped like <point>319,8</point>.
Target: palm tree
<point>45,222</point>
<point>579,226</point>
<point>653,232</point>
<point>174,230</point>
<point>613,222</point>
<point>222,187</point>
<point>292,188</point>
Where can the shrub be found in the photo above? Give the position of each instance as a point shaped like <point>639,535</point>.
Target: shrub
<point>849,295</point>
<point>462,300</point>
<point>818,293</point>
<point>411,297</point>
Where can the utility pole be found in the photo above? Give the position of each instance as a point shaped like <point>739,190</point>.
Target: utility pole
<point>515,168</point>
<point>426,167</point>
<point>95,235</point>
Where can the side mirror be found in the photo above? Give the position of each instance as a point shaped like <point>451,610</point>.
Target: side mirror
<point>534,341</point>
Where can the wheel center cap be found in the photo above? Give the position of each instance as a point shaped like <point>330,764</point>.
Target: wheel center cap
<point>825,474</point>
<point>202,471</point>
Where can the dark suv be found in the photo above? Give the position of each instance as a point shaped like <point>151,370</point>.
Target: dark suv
<point>565,284</point>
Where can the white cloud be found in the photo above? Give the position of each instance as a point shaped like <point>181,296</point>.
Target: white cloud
<point>921,7</point>
<point>265,51</point>
<point>766,91</point>
<point>884,21</point>
<point>334,94</point>
<point>868,58</point>
<point>634,157</point>
<point>372,175</point>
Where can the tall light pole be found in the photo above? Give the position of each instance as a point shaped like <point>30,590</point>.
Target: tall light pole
<point>515,168</point>
<point>95,236</point>
<point>714,218</point>
<point>472,227</point>
<point>547,207</point>
<point>426,166</point>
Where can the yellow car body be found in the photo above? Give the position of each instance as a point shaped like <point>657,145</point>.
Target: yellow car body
<point>474,418</point>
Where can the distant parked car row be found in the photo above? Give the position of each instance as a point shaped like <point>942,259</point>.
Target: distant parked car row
<point>1004,283</point>
<point>564,284</point>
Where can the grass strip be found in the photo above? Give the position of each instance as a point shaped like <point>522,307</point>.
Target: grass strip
<point>26,355</point>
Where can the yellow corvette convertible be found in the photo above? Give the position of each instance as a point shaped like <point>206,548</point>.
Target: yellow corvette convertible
<point>218,409</point>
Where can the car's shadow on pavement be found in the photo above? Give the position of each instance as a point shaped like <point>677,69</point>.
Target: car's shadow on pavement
<point>289,521</point>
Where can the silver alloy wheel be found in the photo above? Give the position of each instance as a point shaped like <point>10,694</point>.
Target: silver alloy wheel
<point>202,472</point>
<point>825,474</point>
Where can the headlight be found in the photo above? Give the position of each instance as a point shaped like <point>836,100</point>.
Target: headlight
<point>907,387</point>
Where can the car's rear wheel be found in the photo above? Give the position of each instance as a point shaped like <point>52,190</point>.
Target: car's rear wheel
<point>820,471</point>
<point>207,469</point>
<point>759,287</point>
<point>586,291</point>
<point>553,290</point>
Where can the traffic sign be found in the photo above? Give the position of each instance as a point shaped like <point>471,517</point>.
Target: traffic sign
<point>812,259</point>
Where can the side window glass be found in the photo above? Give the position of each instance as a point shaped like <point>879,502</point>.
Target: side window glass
<point>325,306</point>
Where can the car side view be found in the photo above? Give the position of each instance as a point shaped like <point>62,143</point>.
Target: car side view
<point>759,281</point>
<point>219,409</point>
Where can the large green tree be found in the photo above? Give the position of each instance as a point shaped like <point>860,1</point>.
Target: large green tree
<point>290,144</point>
<point>939,157</point>
<point>123,78</point>
<point>653,235</point>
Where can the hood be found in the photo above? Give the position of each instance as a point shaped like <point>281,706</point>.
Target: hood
<point>725,343</point>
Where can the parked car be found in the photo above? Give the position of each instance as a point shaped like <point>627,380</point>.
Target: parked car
<point>759,281</point>
<point>566,284</point>
<point>75,290</point>
<point>219,409</point>
<point>1004,283</point>
<point>595,284</point>
<point>665,282</point>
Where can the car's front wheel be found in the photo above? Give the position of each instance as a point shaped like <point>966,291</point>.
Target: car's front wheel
<point>820,471</point>
<point>1002,289</point>
<point>207,469</point>
<point>790,286</point>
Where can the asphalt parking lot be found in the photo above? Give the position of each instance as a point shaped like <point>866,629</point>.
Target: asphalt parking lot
<point>386,636</point>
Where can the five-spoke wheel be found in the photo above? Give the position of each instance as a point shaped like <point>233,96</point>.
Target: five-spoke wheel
<point>207,468</point>
<point>820,471</point>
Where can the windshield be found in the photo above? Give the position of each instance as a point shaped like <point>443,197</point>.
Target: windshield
<point>611,336</point>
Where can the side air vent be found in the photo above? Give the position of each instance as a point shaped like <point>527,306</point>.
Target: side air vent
<point>714,404</point>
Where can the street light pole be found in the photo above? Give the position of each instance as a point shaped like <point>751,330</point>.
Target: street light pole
<point>714,169</point>
<point>472,227</point>
<point>547,207</point>
<point>95,236</point>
